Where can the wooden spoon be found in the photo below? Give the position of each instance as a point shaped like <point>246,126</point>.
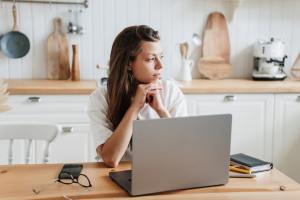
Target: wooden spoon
<point>184,49</point>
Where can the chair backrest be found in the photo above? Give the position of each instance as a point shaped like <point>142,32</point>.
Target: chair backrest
<point>30,132</point>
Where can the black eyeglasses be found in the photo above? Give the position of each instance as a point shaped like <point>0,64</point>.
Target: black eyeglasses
<point>67,178</point>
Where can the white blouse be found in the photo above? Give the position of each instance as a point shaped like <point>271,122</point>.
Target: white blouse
<point>172,98</point>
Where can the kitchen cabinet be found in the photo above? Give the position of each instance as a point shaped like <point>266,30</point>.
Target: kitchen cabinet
<point>18,149</point>
<point>252,119</point>
<point>287,134</point>
<point>264,125</point>
<point>72,145</point>
<point>68,111</point>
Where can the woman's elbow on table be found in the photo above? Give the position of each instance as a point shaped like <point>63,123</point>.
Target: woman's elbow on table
<point>107,158</point>
<point>110,162</point>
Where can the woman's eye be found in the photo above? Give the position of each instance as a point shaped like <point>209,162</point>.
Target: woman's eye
<point>150,59</point>
<point>161,57</point>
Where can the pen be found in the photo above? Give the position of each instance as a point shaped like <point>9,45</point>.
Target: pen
<point>237,169</point>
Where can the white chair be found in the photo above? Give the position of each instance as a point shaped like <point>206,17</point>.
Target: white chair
<point>28,131</point>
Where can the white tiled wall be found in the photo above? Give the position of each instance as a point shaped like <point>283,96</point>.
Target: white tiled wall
<point>177,20</point>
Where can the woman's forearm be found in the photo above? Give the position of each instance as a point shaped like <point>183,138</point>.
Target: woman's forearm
<point>115,147</point>
<point>163,113</point>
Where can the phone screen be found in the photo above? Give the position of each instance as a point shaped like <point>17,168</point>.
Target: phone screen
<point>73,169</point>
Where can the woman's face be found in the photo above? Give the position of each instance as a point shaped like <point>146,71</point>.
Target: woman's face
<point>147,66</point>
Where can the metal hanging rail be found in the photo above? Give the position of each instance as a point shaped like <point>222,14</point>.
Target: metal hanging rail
<point>83,3</point>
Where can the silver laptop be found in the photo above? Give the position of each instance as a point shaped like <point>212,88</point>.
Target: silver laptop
<point>177,153</point>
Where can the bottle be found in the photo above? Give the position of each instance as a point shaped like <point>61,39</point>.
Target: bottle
<point>75,64</point>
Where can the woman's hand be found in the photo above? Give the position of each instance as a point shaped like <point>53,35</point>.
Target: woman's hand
<point>154,97</point>
<point>140,96</point>
<point>155,101</point>
<point>150,93</point>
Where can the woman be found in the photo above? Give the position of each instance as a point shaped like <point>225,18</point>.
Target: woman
<point>134,91</point>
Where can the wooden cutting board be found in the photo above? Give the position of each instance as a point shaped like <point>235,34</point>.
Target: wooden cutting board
<point>295,70</point>
<point>58,65</point>
<point>214,63</point>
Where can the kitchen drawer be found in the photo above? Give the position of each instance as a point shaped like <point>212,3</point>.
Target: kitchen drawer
<point>55,117</point>
<point>48,108</point>
<point>48,103</point>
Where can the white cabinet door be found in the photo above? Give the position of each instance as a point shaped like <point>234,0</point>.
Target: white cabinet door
<point>64,110</point>
<point>252,118</point>
<point>287,134</point>
<point>71,146</point>
<point>18,148</point>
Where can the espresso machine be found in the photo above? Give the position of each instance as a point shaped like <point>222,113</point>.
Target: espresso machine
<point>269,60</point>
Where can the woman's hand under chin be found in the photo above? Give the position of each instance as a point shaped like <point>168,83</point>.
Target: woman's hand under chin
<point>150,93</point>
<point>155,100</point>
<point>139,99</point>
<point>154,97</point>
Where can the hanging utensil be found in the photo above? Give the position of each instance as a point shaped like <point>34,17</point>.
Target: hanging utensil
<point>58,64</point>
<point>196,39</point>
<point>14,44</point>
<point>215,61</point>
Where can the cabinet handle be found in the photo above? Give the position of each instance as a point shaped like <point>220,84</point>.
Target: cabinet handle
<point>34,99</point>
<point>67,129</point>
<point>229,98</point>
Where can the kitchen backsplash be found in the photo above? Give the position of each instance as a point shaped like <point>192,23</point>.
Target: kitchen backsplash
<point>177,20</point>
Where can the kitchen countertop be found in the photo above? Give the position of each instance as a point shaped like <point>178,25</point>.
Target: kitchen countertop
<point>51,86</point>
<point>197,86</point>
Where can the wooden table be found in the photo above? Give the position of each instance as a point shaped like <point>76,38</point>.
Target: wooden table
<point>17,182</point>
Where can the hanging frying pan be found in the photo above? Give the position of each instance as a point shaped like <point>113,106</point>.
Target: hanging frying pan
<point>14,44</point>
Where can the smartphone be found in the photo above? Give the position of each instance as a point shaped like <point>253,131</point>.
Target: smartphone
<point>73,169</point>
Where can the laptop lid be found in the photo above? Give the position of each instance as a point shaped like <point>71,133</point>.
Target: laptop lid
<point>180,153</point>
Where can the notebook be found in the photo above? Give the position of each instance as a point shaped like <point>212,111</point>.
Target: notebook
<point>249,162</point>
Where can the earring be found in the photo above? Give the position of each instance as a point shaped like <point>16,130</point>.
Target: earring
<point>130,76</point>
<point>129,68</point>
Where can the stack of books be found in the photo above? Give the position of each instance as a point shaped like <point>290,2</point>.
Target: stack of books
<point>247,164</point>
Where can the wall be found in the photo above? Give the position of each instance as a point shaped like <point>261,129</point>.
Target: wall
<point>177,20</point>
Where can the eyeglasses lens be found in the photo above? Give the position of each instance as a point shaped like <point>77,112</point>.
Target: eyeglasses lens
<point>66,178</point>
<point>84,181</point>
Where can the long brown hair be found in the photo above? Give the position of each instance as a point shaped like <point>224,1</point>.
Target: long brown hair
<point>121,84</point>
